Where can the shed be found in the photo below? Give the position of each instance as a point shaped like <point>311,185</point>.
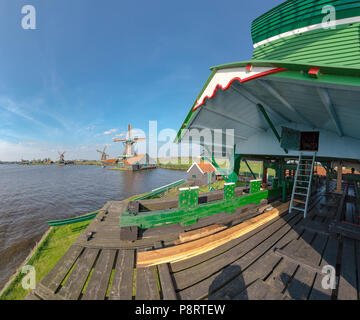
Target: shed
<point>198,173</point>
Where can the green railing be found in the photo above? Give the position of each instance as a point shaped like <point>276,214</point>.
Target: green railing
<point>161,190</point>
<point>90,216</point>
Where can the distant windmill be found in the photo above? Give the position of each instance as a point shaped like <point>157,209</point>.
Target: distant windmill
<point>129,142</point>
<point>103,154</point>
<point>61,157</point>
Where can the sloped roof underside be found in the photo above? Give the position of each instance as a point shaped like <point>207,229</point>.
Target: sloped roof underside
<point>301,105</point>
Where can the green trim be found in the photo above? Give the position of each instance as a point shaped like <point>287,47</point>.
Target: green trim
<point>191,113</point>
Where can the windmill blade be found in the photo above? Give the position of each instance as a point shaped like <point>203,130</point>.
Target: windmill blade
<point>119,140</point>
<point>139,139</point>
<point>99,151</point>
<point>104,149</point>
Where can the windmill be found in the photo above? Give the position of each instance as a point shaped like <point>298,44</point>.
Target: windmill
<point>103,154</point>
<point>61,157</point>
<point>129,142</point>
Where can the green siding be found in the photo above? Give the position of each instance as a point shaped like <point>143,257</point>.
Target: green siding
<point>331,47</point>
<point>294,14</point>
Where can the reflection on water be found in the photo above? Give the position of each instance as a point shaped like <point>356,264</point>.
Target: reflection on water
<point>32,195</point>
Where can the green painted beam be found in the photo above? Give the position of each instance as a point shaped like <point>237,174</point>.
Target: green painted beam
<point>188,216</point>
<point>268,120</point>
<point>252,173</point>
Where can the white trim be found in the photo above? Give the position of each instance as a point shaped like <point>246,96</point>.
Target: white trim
<point>306,29</point>
<point>223,77</point>
<point>195,163</point>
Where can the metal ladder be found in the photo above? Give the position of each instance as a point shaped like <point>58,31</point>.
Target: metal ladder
<point>302,184</point>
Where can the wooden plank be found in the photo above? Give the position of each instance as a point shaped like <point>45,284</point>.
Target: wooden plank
<point>200,233</point>
<point>301,284</point>
<point>253,267</point>
<point>58,273</point>
<point>270,228</point>
<point>167,284</point>
<point>122,284</point>
<point>31,296</point>
<point>146,284</point>
<point>75,283</point>
<point>318,292</point>
<point>46,294</point>
<point>259,268</point>
<point>347,281</point>
<point>198,272</point>
<point>188,250</point>
<point>222,276</point>
<point>98,284</point>
<point>260,290</point>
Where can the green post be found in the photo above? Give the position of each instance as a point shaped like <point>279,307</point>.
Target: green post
<point>188,198</point>
<point>229,191</point>
<point>282,182</point>
<point>255,186</point>
<point>275,183</point>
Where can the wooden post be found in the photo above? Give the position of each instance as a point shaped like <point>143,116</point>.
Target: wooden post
<point>339,178</point>
<point>328,177</point>
<point>264,179</point>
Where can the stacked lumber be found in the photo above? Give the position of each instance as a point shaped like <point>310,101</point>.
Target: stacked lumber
<point>187,250</point>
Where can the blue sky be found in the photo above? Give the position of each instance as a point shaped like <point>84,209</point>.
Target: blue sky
<point>92,66</point>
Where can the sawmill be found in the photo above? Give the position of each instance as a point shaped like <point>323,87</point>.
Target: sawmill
<point>294,236</point>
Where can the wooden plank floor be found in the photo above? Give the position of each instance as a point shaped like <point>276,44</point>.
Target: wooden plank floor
<point>282,259</point>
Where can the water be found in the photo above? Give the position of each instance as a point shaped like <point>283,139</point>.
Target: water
<point>32,195</point>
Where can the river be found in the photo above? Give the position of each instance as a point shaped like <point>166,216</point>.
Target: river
<point>32,195</point>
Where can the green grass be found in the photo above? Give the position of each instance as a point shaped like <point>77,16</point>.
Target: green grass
<point>48,254</point>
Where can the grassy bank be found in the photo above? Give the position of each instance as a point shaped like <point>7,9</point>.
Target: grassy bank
<point>46,256</point>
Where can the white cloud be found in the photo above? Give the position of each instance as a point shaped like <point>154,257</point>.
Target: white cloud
<point>110,131</point>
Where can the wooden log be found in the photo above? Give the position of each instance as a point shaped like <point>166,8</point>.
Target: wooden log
<point>200,233</point>
<point>188,250</point>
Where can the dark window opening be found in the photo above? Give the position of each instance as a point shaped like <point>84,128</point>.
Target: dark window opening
<point>309,141</point>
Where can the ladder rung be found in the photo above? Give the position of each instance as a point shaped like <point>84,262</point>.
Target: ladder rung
<point>303,175</point>
<point>301,194</point>
<point>302,188</point>
<point>299,201</point>
<point>297,208</point>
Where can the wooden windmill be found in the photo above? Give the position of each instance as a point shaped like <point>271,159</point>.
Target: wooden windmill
<point>103,154</point>
<point>61,157</point>
<point>129,143</point>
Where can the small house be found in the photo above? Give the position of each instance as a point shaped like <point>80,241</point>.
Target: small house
<point>201,174</point>
<point>139,162</point>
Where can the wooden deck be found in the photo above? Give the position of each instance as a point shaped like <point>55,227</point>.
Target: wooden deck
<point>282,259</point>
